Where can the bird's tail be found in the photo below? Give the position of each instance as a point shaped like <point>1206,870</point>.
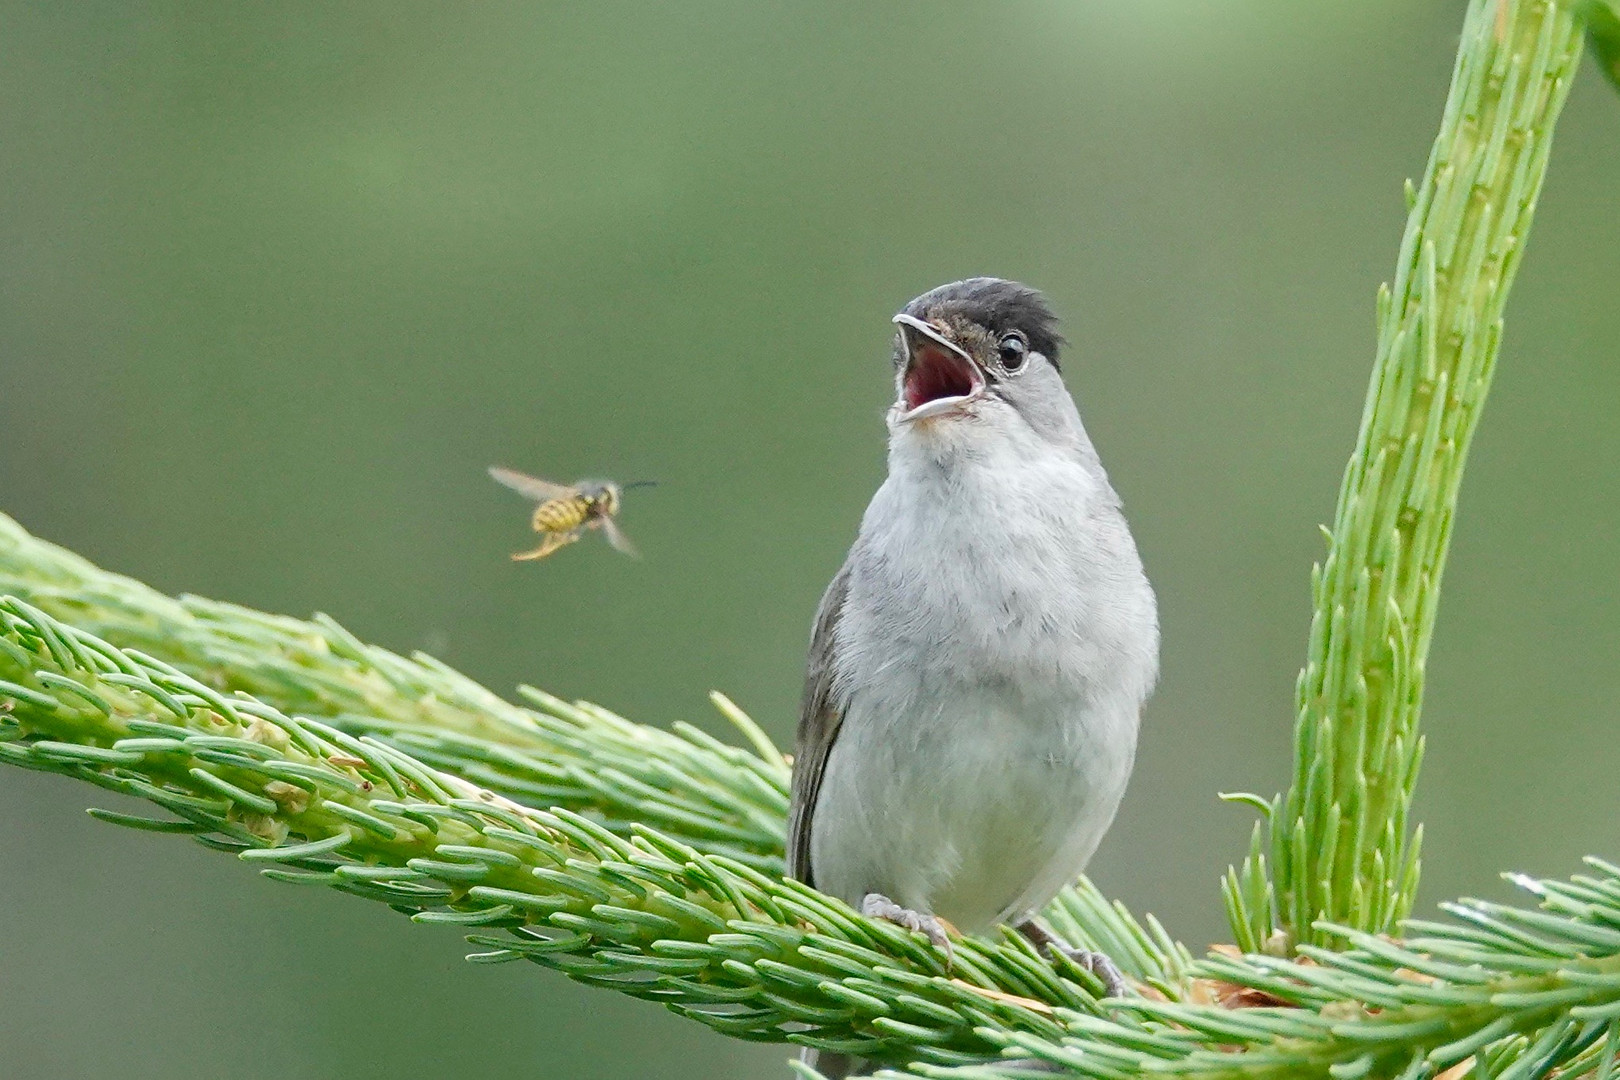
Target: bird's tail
<point>830,1065</point>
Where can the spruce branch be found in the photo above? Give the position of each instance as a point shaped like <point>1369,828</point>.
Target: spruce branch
<point>1342,849</point>
<point>757,957</point>
<point>590,888</point>
<point>578,755</point>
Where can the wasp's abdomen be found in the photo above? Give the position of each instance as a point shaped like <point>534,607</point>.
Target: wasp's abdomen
<point>561,515</point>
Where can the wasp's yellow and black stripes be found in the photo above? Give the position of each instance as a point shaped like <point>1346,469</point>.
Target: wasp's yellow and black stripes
<point>561,515</point>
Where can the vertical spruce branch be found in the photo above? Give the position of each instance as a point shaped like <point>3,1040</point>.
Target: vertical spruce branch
<point>1341,844</point>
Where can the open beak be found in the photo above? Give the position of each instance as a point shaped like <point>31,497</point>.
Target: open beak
<point>939,375</point>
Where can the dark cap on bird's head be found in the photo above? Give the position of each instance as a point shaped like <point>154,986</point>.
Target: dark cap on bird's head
<point>997,305</point>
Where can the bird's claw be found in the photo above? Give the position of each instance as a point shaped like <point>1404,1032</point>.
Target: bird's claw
<point>878,906</point>
<point>1106,971</point>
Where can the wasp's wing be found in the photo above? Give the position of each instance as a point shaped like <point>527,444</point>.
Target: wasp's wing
<point>533,487</point>
<point>819,720</point>
<point>616,537</point>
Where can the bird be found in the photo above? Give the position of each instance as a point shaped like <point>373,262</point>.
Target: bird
<point>978,665</point>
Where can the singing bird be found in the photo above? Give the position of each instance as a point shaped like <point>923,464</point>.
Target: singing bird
<point>978,666</point>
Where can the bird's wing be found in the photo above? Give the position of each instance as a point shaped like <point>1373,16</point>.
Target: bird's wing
<point>819,720</point>
<point>532,486</point>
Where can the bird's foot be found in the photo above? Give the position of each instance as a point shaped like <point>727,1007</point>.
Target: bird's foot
<point>1106,971</point>
<point>877,906</point>
<point>1100,965</point>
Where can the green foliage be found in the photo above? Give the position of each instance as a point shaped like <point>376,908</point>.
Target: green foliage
<point>1342,848</point>
<point>1603,30</point>
<point>586,889</point>
<point>649,861</point>
<point>632,908</point>
<point>580,757</point>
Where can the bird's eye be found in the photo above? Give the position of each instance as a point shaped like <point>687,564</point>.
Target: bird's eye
<point>1014,350</point>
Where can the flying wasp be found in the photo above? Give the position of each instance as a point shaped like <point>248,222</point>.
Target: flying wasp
<point>567,511</point>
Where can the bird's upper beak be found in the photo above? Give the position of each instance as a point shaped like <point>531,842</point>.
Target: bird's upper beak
<point>939,375</point>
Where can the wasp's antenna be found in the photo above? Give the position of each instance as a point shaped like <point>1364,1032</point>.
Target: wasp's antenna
<point>638,483</point>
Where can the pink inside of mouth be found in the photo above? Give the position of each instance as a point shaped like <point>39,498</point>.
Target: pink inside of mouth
<point>935,373</point>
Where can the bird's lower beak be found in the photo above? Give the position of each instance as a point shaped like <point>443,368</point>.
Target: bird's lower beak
<point>939,375</point>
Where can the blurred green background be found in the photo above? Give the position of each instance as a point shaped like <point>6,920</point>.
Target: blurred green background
<point>277,282</point>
